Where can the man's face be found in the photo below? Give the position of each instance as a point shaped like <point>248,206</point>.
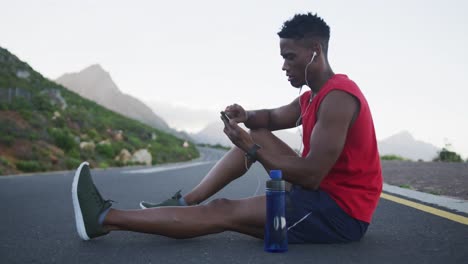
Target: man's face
<point>296,56</point>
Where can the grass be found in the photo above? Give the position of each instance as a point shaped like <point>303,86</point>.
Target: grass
<point>409,187</point>
<point>217,146</point>
<point>406,186</point>
<point>29,166</point>
<point>4,161</point>
<point>392,157</point>
<point>103,165</point>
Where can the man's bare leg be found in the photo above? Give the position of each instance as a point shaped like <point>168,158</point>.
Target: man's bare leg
<point>232,166</point>
<point>246,216</point>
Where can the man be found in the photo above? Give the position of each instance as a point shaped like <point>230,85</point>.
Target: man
<point>335,183</point>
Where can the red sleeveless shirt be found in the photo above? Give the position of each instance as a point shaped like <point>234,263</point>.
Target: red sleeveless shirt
<point>355,180</point>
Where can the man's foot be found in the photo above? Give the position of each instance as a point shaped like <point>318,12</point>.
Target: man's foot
<point>173,201</point>
<point>88,204</point>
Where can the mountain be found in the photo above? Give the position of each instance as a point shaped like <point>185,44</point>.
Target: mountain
<point>405,145</point>
<point>44,127</point>
<point>183,117</point>
<point>96,84</point>
<point>213,134</point>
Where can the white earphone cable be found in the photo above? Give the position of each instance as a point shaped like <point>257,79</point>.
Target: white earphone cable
<point>297,124</point>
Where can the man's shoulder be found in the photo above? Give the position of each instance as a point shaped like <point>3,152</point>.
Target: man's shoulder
<point>343,81</point>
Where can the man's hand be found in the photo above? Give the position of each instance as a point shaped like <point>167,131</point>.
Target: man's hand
<point>236,113</point>
<point>237,135</point>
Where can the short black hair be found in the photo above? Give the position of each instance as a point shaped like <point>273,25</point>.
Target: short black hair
<point>306,26</point>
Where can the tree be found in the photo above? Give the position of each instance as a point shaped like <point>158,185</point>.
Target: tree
<point>446,155</point>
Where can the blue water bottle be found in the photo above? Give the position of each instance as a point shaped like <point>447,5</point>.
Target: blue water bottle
<point>276,236</point>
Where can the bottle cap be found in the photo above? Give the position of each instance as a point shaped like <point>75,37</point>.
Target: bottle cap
<point>275,174</point>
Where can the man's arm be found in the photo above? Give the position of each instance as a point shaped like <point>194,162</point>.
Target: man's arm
<point>274,119</point>
<point>334,118</point>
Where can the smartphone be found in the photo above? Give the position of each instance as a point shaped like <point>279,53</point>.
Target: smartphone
<point>224,116</point>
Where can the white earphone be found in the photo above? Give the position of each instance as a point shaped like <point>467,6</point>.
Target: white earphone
<point>305,70</point>
<point>313,56</point>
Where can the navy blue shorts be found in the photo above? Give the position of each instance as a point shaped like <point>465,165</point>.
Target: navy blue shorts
<point>314,217</point>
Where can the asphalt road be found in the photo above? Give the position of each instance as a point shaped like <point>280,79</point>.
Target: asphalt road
<point>37,225</point>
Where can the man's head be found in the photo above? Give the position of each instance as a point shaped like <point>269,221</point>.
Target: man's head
<point>300,37</point>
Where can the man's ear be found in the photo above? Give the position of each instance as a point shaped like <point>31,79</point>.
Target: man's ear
<point>313,45</point>
<point>317,48</point>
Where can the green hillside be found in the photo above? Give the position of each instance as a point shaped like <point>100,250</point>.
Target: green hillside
<point>45,127</point>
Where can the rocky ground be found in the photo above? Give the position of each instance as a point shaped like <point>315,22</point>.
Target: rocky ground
<point>440,178</point>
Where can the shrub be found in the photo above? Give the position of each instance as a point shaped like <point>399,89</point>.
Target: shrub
<point>119,163</point>
<point>20,104</point>
<point>11,128</point>
<point>26,115</point>
<point>6,140</point>
<point>29,166</point>
<point>94,135</point>
<point>105,150</point>
<point>33,136</point>
<point>72,163</point>
<point>74,153</point>
<point>63,139</point>
<point>172,152</point>
<point>25,152</point>
<point>446,155</point>
<point>59,122</point>
<point>87,154</point>
<point>135,142</point>
<point>42,103</point>
<point>103,165</point>
<point>4,161</point>
<point>38,121</point>
<point>3,106</point>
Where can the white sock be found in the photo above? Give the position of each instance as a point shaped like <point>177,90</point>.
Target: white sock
<point>103,216</point>
<point>182,201</point>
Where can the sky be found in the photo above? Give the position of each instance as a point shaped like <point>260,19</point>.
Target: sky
<point>408,57</point>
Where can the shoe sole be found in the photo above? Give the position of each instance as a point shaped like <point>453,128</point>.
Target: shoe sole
<point>80,226</point>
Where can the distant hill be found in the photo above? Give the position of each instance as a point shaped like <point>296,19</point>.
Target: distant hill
<point>405,145</point>
<point>183,117</point>
<point>212,134</point>
<point>44,126</point>
<point>96,84</point>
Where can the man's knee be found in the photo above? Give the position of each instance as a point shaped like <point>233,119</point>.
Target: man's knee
<point>222,210</point>
<point>266,139</point>
<point>221,205</point>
